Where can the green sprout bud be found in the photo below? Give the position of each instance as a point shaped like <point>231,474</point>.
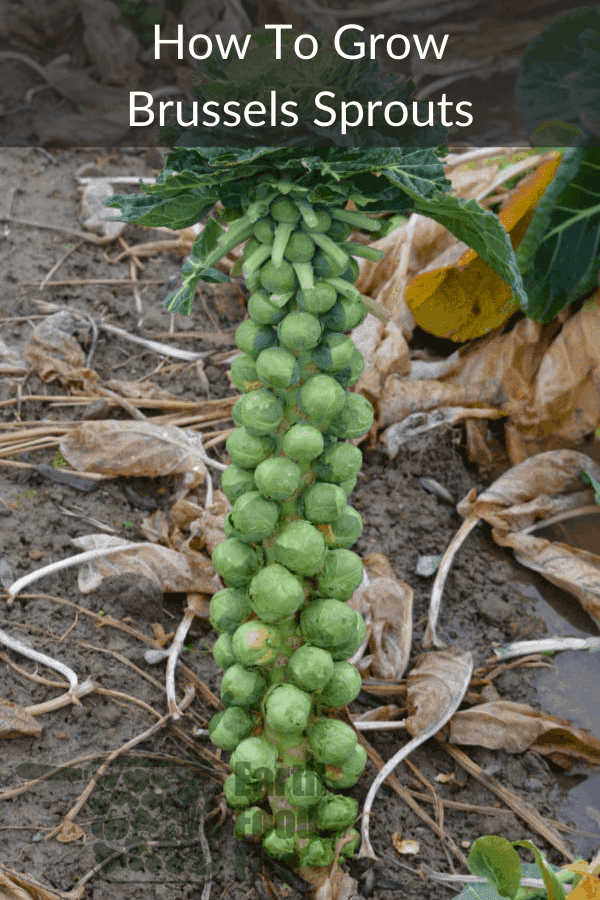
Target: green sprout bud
<point>283,210</point>
<point>311,668</point>
<point>339,463</point>
<point>328,623</point>
<point>326,267</point>
<point>252,823</point>
<point>262,311</point>
<point>277,279</point>
<point>335,813</point>
<point>346,314</point>
<point>228,728</point>
<point>301,548</point>
<point>346,774</point>
<point>239,793</point>
<point>242,687</point>
<point>348,486</point>
<point>354,418</point>
<point>339,231</point>
<point>252,338</point>
<point>275,593</point>
<point>343,686</point>
<point>351,842</point>
<point>260,412</point>
<point>349,648</point>
<point>323,502</point>
<point>341,574</point>
<point>264,231</point>
<point>352,272</point>
<point>236,481</point>
<point>345,530</point>
<point>223,651</point>
<point>331,741</point>
<point>243,372</point>
<point>317,853</point>
<point>278,845</point>
<point>277,367</point>
<point>322,221</point>
<point>278,479</point>
<point>228,609</point>
<point>351,374</point>
<point>249,248</point>
<point>254,516</point>
<point>321,398</point>
<point>287,709</point>
<point>248,450</point>
<point>304,789</point>
<point>299,331</point>
<point>299,248</point>
<point>256,644</point>
<point>335,353</point>
<point>254,760</point>
<point>236,562</point>
<point>303,443</point>
<point>318,299</point>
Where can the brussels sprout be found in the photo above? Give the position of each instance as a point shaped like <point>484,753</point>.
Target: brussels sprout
<point>254,516</point>
<point>348,486</point>
<point>242,687</point>
<point>326,267</point>
<point>278,478</point>
<point>275,593</point>
<point>346,774</point>
<point>252,823</point>
<point>311,668</point>
<point>353,419</point>
<point>236,481</point>
<point>303,443</point>
<point>248,450</point>
<point>253,759</point>
<point>341,574</point>
<point>277,279</point>
<point>328,623</point>
<point>255,643</point>
<point>331,741</point>
<point>264,231</point>
<point>252,338</point>
<point>223,651</point>
<point>335,352</point>
<point>323,502</point>
<point>322,221</point>
<point>262,311</point>
<point>335,812</point>
<point>299,248</point>
<point>351,844</point>
<point>235,562</point>
<point>279,845</point>
<point>345,530</point>
<point>277,367</point>
<point>299,331</point>
<point>317,299</point>
<point>345,314</point>
<point>321,397</point>
<point>249,248</point>
<point>283,210</point>
<point>239,793</point>
<point>243,372</point>
<point>351,645</point>
<point>259,412</point>
<point>338,463</point>
<point>303,789</point>
<point>287,709</point>
<point>350,375</point>
<point>228,609</point>
<point>339,231</point>
<point>300,547</point>
<point>317,852</point>
<point>230,727</point>
<point>352,272</point>
<point>342,688</point>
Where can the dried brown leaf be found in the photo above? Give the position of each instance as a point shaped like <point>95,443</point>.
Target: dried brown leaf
<point>401,398</point>
<point>434,683</point>
<point>338,886</point>
<point>54,354</point>
<point>16,721</point>
<point>70,832</point>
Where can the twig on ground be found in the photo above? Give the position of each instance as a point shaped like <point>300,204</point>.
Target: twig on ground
<point>430,638</point>
<point>57,266</point>
<point>172,657</point>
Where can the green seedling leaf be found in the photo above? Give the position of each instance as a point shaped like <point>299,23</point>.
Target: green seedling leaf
<point>553,885</point>
<point>589,479</point>
<point>495,858</point>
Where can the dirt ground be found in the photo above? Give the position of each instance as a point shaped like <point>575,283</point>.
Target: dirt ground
<point>153,802</point>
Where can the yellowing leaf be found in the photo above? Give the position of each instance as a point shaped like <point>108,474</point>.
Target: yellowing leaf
<point>461,298</point>
<point>588,889</point>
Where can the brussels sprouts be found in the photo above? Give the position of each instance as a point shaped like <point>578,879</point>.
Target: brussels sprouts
<point>253,759</point>
<point>236,481</point>
<point>348,486</point>
<point>350,375</point>
<point>259,412</point>
<point>345,530</point>
<point>242,687</point>
<point>300,548</point>
<point>311,668</point>
<point>252,338</point>
<point>223,651</point>
<point>243,372</point>
<point>321,398</point>
<point>252,823</point>
<point>351,844</point>
<point>249,248</point>
<point>323,502</point>
<point>228,609</point>
<point>331,741</point>
<point>254,516</point>
<point>304,789</point>
<point>335,812</point>
<point>322,221</point>
<point>355,639</point>
<point>299,248</point>
<point>303,443</point>
<point>339,463</point>
<point>240,793</point>
<point>353,419</point>
<point>317,299</point>
<point>335,353</point>
<point>277,478</point>
<point>278,845</point>
<point>339,231</point>
<point>262,311</point>
<point>317,852</point>
<point>236,562</point>
<point>287,709</point>
<point>248,450</point>
<point>277,367</point>
<point>255,643</point>
<point>342,688</point>
<point>283,210</point>
<point>264,231</point>
<point>326,267</point>
<point>299,331</point>
<point>230,727</point>
<point>275,593</point>
<point>276,280</point>
<point>341,574</point>
<point>345,314</point>
<point>328,623</point>
<point>347,773</point>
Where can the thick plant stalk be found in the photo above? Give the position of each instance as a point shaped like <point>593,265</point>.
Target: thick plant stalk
<point>286,629</point>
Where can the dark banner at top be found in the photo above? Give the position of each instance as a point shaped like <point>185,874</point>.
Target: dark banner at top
<point>410,74</point>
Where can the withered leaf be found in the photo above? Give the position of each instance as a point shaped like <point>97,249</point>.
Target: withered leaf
<point>437,681</point>
<point>16,722</point>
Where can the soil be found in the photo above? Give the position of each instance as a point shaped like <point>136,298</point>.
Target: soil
<point>150,795</point>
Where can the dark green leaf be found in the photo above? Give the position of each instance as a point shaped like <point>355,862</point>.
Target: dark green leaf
<point>497,860</point>
<point>589,479</point>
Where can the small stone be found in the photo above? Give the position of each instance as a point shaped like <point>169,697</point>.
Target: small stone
<point>35,554</point>
<point>533,784</point>
<point>97,409</point>
<point>427,566</point>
